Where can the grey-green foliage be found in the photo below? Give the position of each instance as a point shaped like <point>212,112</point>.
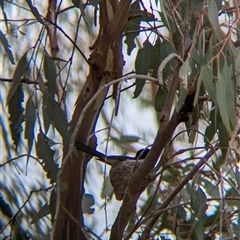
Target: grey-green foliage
<point>211,62</point>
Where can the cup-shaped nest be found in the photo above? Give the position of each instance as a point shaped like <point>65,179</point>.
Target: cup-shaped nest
<point>120,174</point>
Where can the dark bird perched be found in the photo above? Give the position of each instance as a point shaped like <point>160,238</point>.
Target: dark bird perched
<point>122,168</point>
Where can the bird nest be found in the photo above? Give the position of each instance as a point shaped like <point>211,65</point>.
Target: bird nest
<point>120,174</point>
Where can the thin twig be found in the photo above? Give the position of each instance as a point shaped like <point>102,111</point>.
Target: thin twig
<point>16,158</point>
<point>26,201</point>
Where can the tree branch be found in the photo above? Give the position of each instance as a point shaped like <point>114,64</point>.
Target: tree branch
<point>135,182</point>
<point>173,194</point>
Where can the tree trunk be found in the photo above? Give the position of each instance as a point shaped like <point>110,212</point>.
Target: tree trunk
<point>105,62</point>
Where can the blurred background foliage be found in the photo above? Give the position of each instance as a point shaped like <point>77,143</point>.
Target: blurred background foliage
<point>32,129</point>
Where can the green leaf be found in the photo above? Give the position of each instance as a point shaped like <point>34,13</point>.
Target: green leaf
<point>192,133</point>
<point>183,92</point>
<point>35,12</point>
<point>5,208</point>
<point>211,128</point>
<point>199,207</point>
<point>46,154</point>
<point>142,65</point>
<point>223,138</point>
<point>161,98</point>
<point>165,50</point>
<point>129,139</point>
<point>107,189</point>
<point>41,83</point>
<point>236,227</point>
<point>132,26</point>
<point>46,119</point>
<point>230,93</point>
<point>156,57</point>
<point>58,59</point>
<point>16,117</point>
<point>76,3</point>
<point>5,139</point>
<point>94,2</point>
<point>185,72</point>
<point>81,6</point>
<point>234,54</point>
<point>238,177</point>
<point>58,119</point>
<point>50,75</point>
<point>7,47</point>
<point>211,188</point>
<point>4,14</point>
<point>30,122</point>
<point>164,13</point>
<point>237,69</point>
<point>206,75</point>
<point>222,100</point>
<point>53,202</point>
<point>44,211</point>
<point>18,73</point>
<point>212,219</point>
<point>213,18</point>
<point>147,58</point>
<point>87,202</point>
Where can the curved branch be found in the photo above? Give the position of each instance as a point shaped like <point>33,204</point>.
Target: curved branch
<point>164,63</point>
<point>90,102</point>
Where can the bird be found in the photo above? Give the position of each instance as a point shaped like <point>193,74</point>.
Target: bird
<point>122,168</point>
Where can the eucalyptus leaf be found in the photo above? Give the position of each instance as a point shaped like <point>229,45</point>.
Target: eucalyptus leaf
<point>52,205</point>
<point>185,72</point>
<point>46,154</point>
<point>133,26</point>
<point>79,4</point>
<point>45,102</point>
<point>148,58</point>
<point>35,12</point>
<point>165,50</point>
<point>18,73</point>
<point>206,75</point>
<point>237,67</point>
<point>50,75</point>
<point>76,3</point>
<point>223,138</point>
<point>4,13</point>
<point>6,47</point>
<point>94,2</point>
<point>211,128</point>
<point>16,117</point>
<point>58,119</point>
<point>182,97</point>
<point>87,203</point>
<point>222,100</point>
<point>44,211</point>
<point>129,139</point>
<point>58,59</point>
<point>142,66</point>
<point>199,207</point>
<point>30,122</point>
<point>107,189</point>
<point>230,93</point>
<point>5,208</point>
<point>160,98</point>
<point>236,227</point>
<point>213,18</point>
